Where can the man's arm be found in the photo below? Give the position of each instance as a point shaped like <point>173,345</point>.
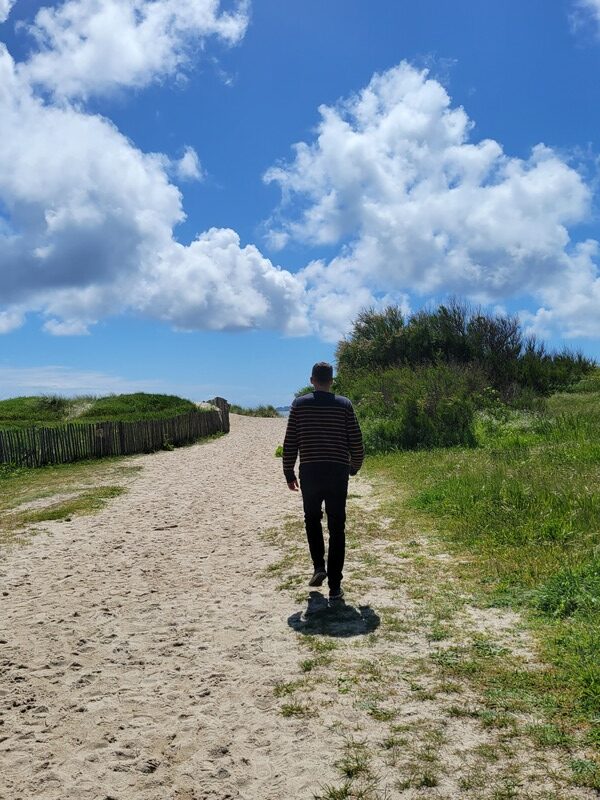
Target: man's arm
<point>355,441</point>
<point>290,448</point>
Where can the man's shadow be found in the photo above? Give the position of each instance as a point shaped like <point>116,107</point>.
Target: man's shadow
<point>336,619</point>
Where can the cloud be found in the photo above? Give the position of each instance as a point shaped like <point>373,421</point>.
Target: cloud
<point>5,8</point>
<point>188,168</point>
<point>90,47</point>
<point>395,181</point>
<point>66,381</point>
<point>226,286</point>
<point>88,231</point>
<point>392,181</point>
<point>572,301</point>
<point>84,208</point>
<point>73,327</point>
<point>11,319</point>
<point>584,10</point>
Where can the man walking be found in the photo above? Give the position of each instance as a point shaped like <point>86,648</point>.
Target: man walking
<point>323,429</point>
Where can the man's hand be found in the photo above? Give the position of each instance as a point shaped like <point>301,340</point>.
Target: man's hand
<point>293,485</point>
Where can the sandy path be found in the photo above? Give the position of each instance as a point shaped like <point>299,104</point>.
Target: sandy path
<point>138,659</point>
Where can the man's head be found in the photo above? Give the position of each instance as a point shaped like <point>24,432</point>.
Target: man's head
<point>322,376</point>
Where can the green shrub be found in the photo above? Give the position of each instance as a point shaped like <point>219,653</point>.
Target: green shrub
<point>519,367</point>
<point>258,411</point>
<point>407,408</point>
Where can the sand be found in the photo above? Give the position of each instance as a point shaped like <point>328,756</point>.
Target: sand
<point>140,647</point>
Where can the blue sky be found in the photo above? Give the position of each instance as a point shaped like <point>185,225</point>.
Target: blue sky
<point>159,230</point>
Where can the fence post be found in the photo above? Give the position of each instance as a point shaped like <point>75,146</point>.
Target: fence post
<point>223,407</point>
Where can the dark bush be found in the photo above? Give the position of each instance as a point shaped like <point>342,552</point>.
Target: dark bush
<point>413,408</point>
<point>515,365</point>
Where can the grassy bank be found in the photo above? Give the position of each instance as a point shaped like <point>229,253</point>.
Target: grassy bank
<point>257,411</point>
<point>50,410</point>
<point>29,497</point>
<point>521,514</point>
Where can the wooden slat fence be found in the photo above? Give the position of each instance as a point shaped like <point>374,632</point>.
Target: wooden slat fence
<point>36,447</point>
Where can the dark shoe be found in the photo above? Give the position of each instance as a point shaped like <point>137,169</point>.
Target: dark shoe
<point>336,594</point>
<point>318,578</point>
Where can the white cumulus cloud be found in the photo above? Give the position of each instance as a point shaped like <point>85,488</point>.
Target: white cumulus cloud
<point>92,46</point>
<point>188,167</point>
<point>87,231</point>
<point>395,179</point>
<point>5,7</point>
<point>224,285</point>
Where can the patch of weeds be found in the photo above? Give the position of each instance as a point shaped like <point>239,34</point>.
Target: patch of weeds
<point>428,779</point>
<point>511,698</point>
<point>277,567</point>
<point>355,761</point>
<point>382,714</point>
<point>484,647</point>
<point>425,694</point>
<point>506,792</point>
<point>291,582</point>
<point>592,737</point>
<point>294,710</point>
<point>351,790</point>
<point>497,719</point>
<point>438,633</point>
<point>85,503</point>
<point>335,793</point>
<point>454,661</point>
<point>318,644</point>
<point>282,689</point>
<point>475,779</point>
<point>448,687</point>
<point>586,773</point>
<point>392,742</point>
<point>549,735</point>
<point>311,663</point>
<point>487,751</point>
<point>345,684</point>
<point>419,779</point>
<point>368,669</point>
<point>396,625</point>
<point>459,712</point>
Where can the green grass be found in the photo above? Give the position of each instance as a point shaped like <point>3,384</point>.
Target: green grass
<point>522,513</point>
<point>294,710</point>
<point>137,406</point>
<point>257,411</point>
<point>89,484</point>
<point>85,503</point>
<point>50,410</point>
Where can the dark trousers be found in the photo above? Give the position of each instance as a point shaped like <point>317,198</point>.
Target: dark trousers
<point>325,483</point>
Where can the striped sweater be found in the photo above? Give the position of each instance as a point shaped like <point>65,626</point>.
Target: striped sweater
<point>322,427</point>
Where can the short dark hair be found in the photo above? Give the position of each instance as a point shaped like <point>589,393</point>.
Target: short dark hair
<point>322,372</point>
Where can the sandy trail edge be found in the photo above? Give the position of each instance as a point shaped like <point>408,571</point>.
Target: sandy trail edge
<point>138,660</point>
